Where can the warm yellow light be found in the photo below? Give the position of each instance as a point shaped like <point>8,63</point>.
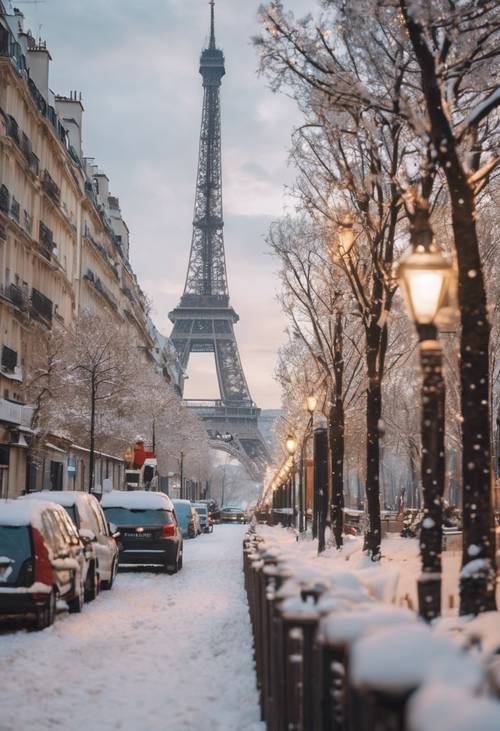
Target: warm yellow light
<point>426,279</point>
<point>346,234</point>
<point>291,445</point>
<point>311,403</point>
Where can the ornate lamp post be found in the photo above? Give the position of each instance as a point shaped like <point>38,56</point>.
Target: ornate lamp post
<point>427,283</point>
<point>311,402</point>
<point>291,448</point>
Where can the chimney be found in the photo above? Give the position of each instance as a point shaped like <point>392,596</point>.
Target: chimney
<point>102,188</point>
<point>38,61</point>
<point>70,110</point>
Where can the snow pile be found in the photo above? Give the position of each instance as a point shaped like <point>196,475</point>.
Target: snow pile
<point>399,659</point>
<point>389,649</point>
<point>450,709</point>
<point>23,512</point>
<point>136,500</point>
<point>66,498</point>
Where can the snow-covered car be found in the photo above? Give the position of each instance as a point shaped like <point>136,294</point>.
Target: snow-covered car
<point>206,524</point>
<point>88,516</point>
<point>186,518</point>
<point>41,560</point>
<point>149,532</point>
<point>232,514</point>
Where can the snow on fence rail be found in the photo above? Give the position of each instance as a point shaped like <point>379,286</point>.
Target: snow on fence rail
<point>333,653</point>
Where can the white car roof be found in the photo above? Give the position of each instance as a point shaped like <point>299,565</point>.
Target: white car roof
<point>66,498</point>
<point>136,500</point>
<point>24,512</point>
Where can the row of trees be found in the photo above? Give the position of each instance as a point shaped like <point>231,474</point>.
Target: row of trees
<point>93,385</point>
<point>399,143</point>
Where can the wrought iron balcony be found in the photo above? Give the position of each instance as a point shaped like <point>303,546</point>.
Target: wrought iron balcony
<point>13,129</point>
<point>15,209</point>
<point>16,296</point>
<point>28,222</point>
<point>9,358</point>
<point>51,188</point>
<point>46,240</point>
<point>41,305</point>
<point>4,199</point>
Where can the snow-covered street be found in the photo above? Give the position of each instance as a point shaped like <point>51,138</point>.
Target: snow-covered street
<point>156,652</point>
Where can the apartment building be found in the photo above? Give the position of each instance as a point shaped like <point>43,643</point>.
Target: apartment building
<point>64,245</point>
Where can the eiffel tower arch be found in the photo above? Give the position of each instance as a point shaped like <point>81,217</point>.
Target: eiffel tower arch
<point>204,320</point>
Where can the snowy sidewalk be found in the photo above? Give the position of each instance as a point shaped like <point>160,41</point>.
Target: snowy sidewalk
<point>157,652</point>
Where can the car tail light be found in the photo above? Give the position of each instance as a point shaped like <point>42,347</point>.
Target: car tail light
<point>168,531</point>
<point>43,569</point>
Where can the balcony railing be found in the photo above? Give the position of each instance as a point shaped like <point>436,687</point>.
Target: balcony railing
<point>17,296</point>
<point>41,305</point>
<point>27,222</point>
<point>15,210</point>
<point>46,240</point>
<point>4,199</point>
<point>51,188</point>
<point>9,358</point>
<point>13,129</point>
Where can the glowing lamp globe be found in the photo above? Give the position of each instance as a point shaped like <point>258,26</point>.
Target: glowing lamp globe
<point>346,234</point>
<point>311,403</point>
<point>291,445</point>
<point>427,280</point>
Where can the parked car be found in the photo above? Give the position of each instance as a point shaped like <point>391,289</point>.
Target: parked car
<point>86,513</point>
<point>149,532</point>
<point>206,523</point>
<point>186,518</point>
<point>231,514</point>
<point>196,519</point>
<point>42,559</point>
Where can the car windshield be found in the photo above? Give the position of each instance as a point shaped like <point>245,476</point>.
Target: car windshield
<point>201,509</point>
<point>15,548</point>
<point>127,516</point>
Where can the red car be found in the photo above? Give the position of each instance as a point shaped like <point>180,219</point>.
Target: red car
<point>42,559</point>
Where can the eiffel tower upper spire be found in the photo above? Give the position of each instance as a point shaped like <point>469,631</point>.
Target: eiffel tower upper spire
<point>212,45</point>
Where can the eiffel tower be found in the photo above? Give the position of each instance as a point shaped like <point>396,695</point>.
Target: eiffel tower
<point>204,320</point>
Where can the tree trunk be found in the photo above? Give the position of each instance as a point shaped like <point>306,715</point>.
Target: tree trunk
<point>373,417</point>
<point>337,437</point>
<point>92,434</point>
<point>321,482</point>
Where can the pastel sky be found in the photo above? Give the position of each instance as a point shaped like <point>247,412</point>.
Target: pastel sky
<point>136,64</point>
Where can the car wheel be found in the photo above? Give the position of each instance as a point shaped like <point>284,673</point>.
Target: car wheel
<point>179,561</point>
<point>92,584</point>
<point>75,605</point>
<point>108,584</point>
<point>46,615</point>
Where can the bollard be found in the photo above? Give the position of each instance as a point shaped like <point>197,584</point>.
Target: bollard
<point>299,623</point>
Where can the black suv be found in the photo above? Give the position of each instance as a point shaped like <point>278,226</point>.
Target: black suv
<point>149,532</point>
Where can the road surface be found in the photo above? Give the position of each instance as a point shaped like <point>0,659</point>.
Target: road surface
<point>157,652</point>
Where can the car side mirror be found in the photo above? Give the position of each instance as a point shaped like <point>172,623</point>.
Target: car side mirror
<point>113,530</point>
<point>87,535</point>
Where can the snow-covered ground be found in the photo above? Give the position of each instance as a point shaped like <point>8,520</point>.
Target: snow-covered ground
<point>156,652</point>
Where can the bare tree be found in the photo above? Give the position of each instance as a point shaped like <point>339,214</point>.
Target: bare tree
<point>102,366</point>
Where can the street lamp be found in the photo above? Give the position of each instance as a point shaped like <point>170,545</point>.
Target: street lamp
<point>427,280</point>
<point>311,403</point>
<point>291,445</point>
<point>346,234</point>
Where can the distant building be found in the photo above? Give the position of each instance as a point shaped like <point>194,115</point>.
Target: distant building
<point>64,246</point>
